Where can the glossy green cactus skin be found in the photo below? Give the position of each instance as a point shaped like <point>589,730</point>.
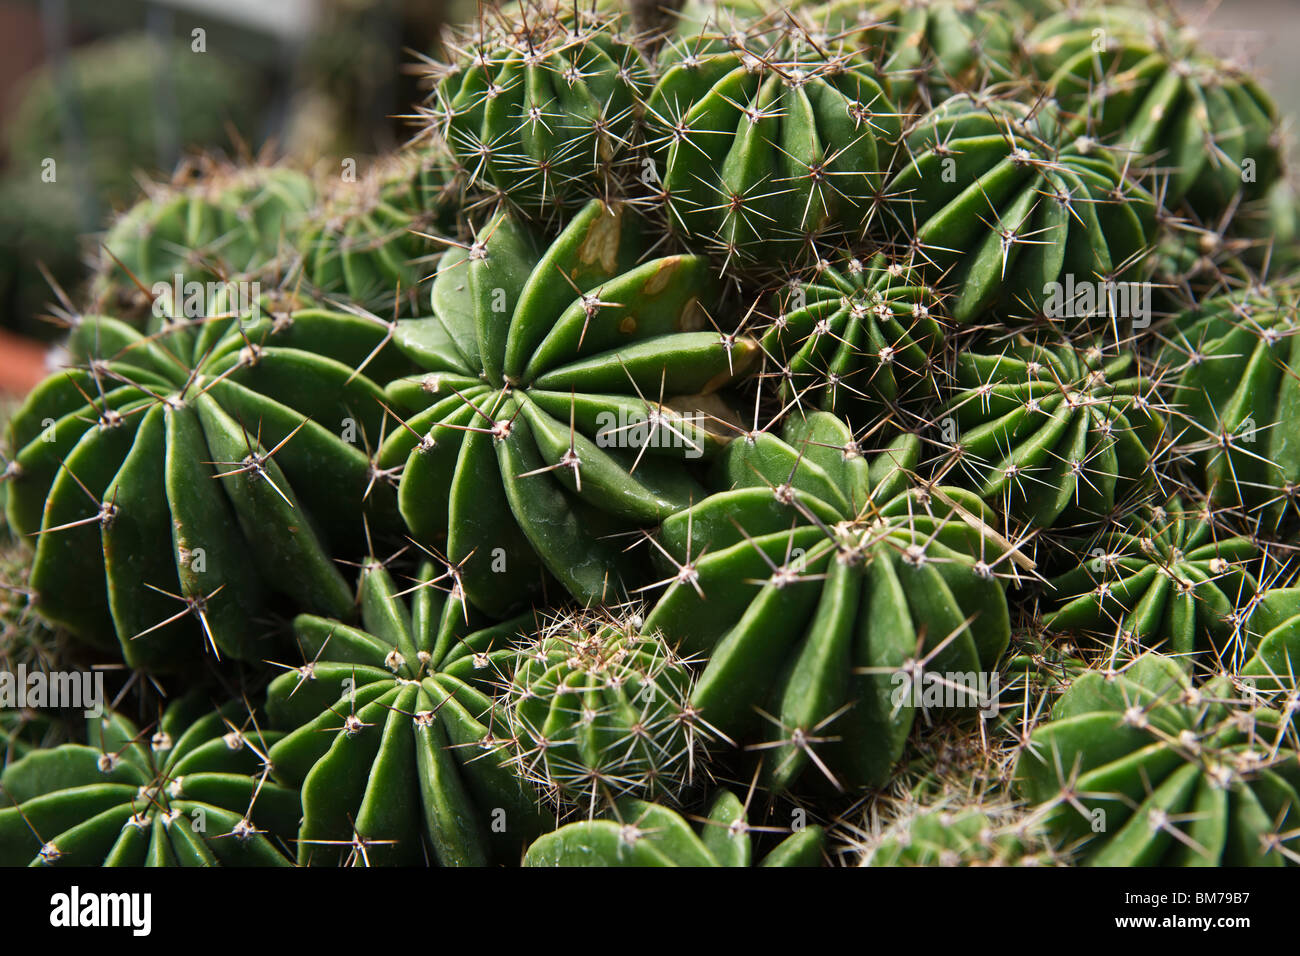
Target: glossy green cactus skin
<point>598,711</point>
<point>366,243</point>
<point>1166,580</point>
<point>853,336</point>
<point>998,201</point>
<point>521,449</point>
<point>1138,769</point>
<point>181,477</point>
<point>392,733</point>
<point>813,583</point>
<point>1048,432</point>
<point>1235,359</point>
<point>646,834</point>
<point>928,49</point>
<point>1207,128</point>
<point>192,791</point>
<point>231,225</point>
<point>542,112</point>
<point>764,143</point>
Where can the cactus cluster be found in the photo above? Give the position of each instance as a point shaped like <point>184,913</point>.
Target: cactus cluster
<point>884,411</point>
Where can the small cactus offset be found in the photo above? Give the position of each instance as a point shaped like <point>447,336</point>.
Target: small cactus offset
<point>729,433</point>
<point>599,710</point>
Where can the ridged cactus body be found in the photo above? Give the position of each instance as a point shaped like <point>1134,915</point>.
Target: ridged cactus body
<point>767,144</point>
<point>1051,432</point>
<point>821,587</point>
<point>568,387</point>
<point>850,336</point>
<point>1143,87</point>
<point>645,834</point>
<point>193,790</point>
<point>999,201</point>
<point>392,732</point>
<point>543,111</point>
<point>1136,768</point>
<point>1166,580</point>
<point>598,711</point>
<point>172,481</point>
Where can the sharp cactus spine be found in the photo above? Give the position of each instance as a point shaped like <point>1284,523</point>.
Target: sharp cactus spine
<point>567,388</point>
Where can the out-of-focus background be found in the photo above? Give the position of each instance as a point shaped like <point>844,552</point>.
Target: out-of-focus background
<point>99,96</point>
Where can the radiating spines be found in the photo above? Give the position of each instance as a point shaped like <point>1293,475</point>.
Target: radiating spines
<point>215,224</point>
<point>543,110</point>
<point>1139,768</point>
<point>600,709</point>
<point>823,586</point>
<point>765,143</point>
<point>392,733</point>
<point>853,335</point>
<point>1232,360</point>
<point>193,789</point>
<point>1147,88</point>
<point>369,243</point>
<point>571,385</point>
<point>1007,204</point>
<point>1166,579</point>
<point>172,482</point>
<point>1049,429</point>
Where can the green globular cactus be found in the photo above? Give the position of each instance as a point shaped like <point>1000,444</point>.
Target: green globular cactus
<point>765,144</point>
<point>928,49</point>
<point>1008,205</point>
<point>599,710</point>
<point>1137,768</point>
<point>1144,87</point>
<point>852,336</point>
<point>568,387</point>
<point>217,223</point>
<point>1165,580</point>
<point>192,790</point>
<point>1051,432</point>
<point>366,244</point>
<point>1234,360</point>
<point>647,834</point>
<point>822,589</point>
<point>960,836</point>
<point>172,481</point>
<point>542,110</point>
<point>393,736</point>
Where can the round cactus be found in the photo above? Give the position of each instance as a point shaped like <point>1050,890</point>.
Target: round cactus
<point>849,337</point>
<point>173,480</point>
<point>1050,432</point>
<point>541,109</point>
<point>1137,768</point>
<point>366,244</point>
<point>765,144</point>
<point>1145,88</point>
<point>215,224</point>
<point>1235,359</point>
<point>1166,580</point>
<point>567,388</point>
<point>646,834</point>
<point>600,710</point>
<point>393,737</point>
<point>822,590</point>
<point>1004,203</point>
<point>192,790</point>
